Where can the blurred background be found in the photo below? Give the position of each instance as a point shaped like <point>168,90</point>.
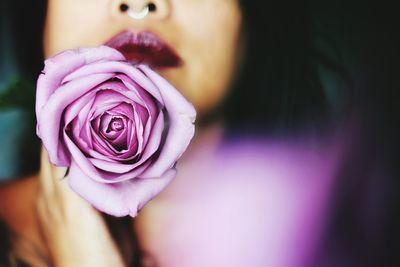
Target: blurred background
<point>21,61</point>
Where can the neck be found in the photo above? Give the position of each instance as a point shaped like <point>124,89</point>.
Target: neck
<point>205,141</point>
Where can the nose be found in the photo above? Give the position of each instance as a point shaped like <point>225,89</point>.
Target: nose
<point>144,9</point>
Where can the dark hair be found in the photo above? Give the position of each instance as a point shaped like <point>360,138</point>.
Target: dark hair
<point>280,88</point>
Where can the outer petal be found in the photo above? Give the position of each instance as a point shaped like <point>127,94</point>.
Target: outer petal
<point>181,115</point>
<point>134,73</point>
<point>121,199</point>
<point>49,120</point>
<point>59,66</point>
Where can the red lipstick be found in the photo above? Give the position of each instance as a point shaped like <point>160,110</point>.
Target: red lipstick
<point>145,48</point>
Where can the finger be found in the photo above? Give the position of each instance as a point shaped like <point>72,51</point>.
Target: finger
<point>50,176</point>
<point>55,187</point>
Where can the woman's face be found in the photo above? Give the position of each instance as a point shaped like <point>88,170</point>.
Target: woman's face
<point>204,34</point>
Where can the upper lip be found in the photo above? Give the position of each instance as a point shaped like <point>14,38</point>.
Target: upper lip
<point>146,48</point>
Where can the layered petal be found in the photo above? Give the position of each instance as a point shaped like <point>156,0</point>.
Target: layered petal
<point>50,117</point>
<point>181,117</point>
<point>121,199</point>
<point>61,65</point>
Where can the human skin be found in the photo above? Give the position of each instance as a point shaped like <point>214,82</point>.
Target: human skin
<point>204,33</point>
<point>50,225</point>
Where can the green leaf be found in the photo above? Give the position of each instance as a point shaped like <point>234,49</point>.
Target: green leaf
<point>20,93</point>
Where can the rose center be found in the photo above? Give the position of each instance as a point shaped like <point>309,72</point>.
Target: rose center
<point>116,125</point>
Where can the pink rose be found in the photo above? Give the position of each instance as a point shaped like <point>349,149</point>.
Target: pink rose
<point>119,128</point>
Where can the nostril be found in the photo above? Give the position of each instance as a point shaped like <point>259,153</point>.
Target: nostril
<point>152,7</point>
<point>123,7</point>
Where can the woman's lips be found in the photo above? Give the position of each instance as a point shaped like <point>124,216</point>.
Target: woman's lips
<point>144,47</point>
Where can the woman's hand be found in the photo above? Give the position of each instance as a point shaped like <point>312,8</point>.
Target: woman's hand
<point>75,233</point>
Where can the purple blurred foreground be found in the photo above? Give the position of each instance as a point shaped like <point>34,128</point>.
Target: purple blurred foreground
<point>243,203</point>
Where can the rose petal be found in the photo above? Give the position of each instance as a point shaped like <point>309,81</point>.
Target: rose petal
<point>75,108</point>
<point>94,154</point>
<point>123,109</point>
<point>59,66</point>
<point>49,120</point>
<point>131,73</point>
<point>82,161</point>
<point>155,137</point>
<point>103,146</point>
<point>144,159</point>
<point>116,92</point>
<point>181,128</point>
<point>121,142</point>
<point>90,170</point>
<point>139,133</point>
<point>104,124</point>
<point>129,170</point>
<point>76,116</point>
<point>112,168</point>
<point>151,148</point>
<point>103,197</point>
<point>148,99</point>
<point>110,147</point>
<point>120,199</point>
